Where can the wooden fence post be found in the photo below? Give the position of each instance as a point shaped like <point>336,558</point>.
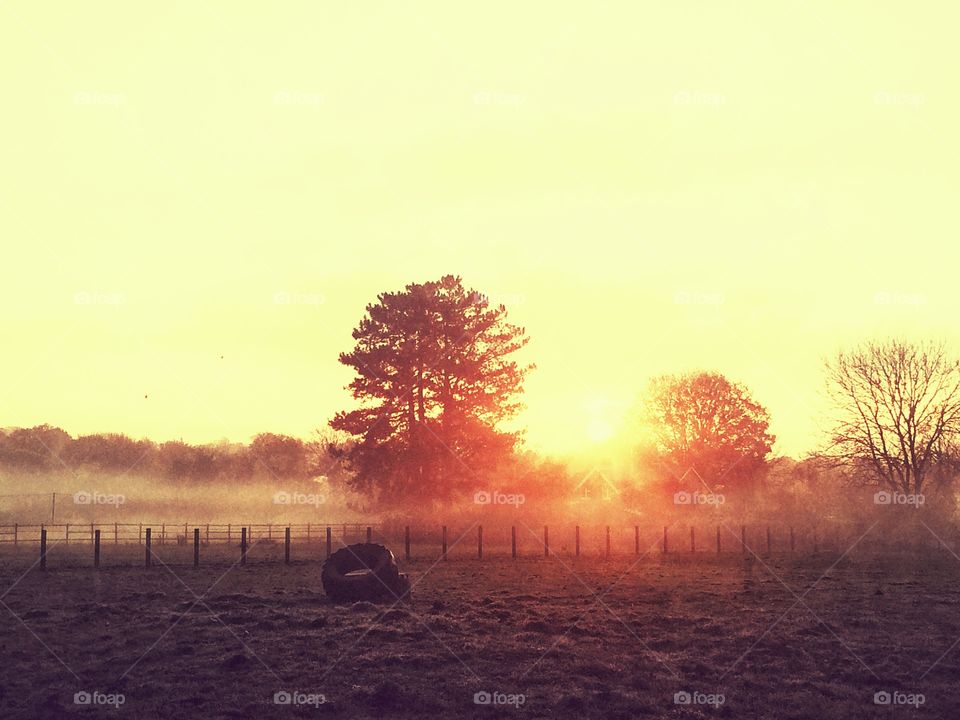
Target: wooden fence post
<point>369,535</point>
<point>479,542</point>
<point>636,539</point>
<point>140,535</point>
<point>546,541</point>
<point>243,546</point>
<point>207,534</point>
<point>163,533</point>
<point>791,539</point>
<point>43,548</point>
<point>286,546</point>
<point>768,541</point>
<point>116,533</point>
<point>146,554</point>
<point>406,542</point>
<point>329,541</point>
<point>96,549</point>
<point>15,534</point>
<point>608,541</point>
<point>308,532</point>
<point>718,539</point>
<point>443,551</point>
<point>577,551</point>
<point>664,539</point>
<point>743,538</point>
<point>693,540</point>
<point>513,542</point>
<point>229,534</point>
<point>66,534</point>
<point>196,547</point>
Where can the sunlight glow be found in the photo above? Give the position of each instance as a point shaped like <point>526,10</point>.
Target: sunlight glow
<point>599,430</point>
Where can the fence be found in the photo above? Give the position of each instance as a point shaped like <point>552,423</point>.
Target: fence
<point>169,533</point>
<point>441,542</point>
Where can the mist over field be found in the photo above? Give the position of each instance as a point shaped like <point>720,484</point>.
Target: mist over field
<point>277,480</point>
<point>103,498</point>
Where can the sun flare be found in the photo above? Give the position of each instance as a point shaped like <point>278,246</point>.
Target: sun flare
<point>599,430</point>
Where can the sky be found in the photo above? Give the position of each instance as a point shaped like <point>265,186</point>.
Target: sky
<point>197,200</point>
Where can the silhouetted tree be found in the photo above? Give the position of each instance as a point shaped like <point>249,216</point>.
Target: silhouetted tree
<point>898,411</point>
<point>279,456</point>
<point>706,423</point>
<point>37,448</point>
<point>111,452</point>
<point>324,452</point>
<point>435,376</point>
<point>175,460</point>
<point>234,461</point>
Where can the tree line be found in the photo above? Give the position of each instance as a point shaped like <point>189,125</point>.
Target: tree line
<point>49,449</point>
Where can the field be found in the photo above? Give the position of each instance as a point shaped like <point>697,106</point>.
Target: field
<point>807,637</point>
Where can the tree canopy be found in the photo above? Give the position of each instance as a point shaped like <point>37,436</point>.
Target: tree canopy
<point>706,423</point>
<point>435,376</point>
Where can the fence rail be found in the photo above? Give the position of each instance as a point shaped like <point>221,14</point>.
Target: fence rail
<point>470,541</point>
<point>179,533</point>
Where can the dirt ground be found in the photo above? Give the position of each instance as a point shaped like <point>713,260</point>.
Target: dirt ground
<point>557,637</point>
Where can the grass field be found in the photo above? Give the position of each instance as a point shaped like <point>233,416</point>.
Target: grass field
<point>813,637</point>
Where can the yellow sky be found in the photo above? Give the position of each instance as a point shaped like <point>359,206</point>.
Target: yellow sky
<point>197,199</point>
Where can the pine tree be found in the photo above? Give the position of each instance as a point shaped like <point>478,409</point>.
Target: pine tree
<point>435,378</point>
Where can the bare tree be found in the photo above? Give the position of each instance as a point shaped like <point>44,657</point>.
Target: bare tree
<point>899,409</point>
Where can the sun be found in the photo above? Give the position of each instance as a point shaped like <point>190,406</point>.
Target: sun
<point>604,413</point>
<point>599,430</point>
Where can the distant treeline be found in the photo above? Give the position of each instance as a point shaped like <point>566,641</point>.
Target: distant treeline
<point>268,457</point>
<point>50,449</point>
